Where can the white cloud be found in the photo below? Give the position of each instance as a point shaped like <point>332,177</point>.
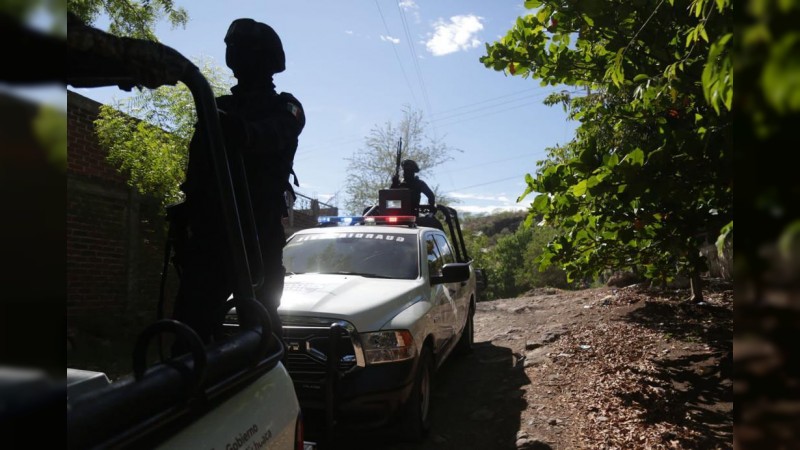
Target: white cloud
<point>408,4</point>
<point>492,209</point>
<point>482,204</point>
<point>476,197</point>
<point>458,34</point>
<point>393,40</point>
<point>348,32</point>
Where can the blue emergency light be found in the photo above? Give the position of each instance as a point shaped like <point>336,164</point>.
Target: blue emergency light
<point>340,220</point>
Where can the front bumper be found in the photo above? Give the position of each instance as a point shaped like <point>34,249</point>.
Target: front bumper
<point>366,397</point>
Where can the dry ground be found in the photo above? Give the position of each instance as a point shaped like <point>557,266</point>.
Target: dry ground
<point>604,368</point>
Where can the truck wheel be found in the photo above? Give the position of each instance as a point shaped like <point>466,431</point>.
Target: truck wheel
<point>416,413</point>
<point>464,346</point>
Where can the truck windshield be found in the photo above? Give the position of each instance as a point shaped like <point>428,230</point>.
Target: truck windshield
<point>375,255</point>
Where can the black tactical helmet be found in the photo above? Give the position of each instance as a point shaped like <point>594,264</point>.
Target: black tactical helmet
<point>260,40</point>
<point>410,166</point>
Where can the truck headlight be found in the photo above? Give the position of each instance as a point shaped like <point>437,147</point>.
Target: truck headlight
<point>388,346</point>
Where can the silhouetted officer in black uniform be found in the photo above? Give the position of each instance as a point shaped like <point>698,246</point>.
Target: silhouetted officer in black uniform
<point>263,126</point>
<point>415,184</point>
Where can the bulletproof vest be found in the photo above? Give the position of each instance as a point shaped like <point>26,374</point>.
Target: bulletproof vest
<point>268,170</point>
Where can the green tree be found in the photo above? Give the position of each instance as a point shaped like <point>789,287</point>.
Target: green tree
<point>148,136</point>
<point>536,276</point>
<point>509,255</point>
<point>508,262</point>
<point>371,168</point>
<point>130,18</point>
<point>648,178</point>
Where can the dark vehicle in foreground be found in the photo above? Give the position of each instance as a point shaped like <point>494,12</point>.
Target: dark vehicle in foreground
<point>232,393</point>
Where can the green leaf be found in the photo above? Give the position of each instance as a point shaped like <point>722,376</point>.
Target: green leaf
<point>640,77</point>
<point>729,99</point>
<point>579,189</point>
<point>540,202</point>
<point>609,234</point>
<point>588,20</point>
<point>779,79</point>
<point>531,4</point>
<point>542,15</point>
<point>530,182</point>
<point>723,236</point>
<point>635,157</point>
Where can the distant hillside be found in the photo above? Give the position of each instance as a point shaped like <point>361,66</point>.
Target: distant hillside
<point>493,225</point>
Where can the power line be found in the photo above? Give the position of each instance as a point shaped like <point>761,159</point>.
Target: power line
<point>503,104</point>
<point>495,161</point>
<point>396,55</point>
<point>355,138</point>
<point>486,114</point>
<point>488,100</point>
<point>483,115</point>
<point>414,58</point>
<point>486,183</point>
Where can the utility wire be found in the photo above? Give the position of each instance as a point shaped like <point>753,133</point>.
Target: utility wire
<point>306,150</point>
<point>482,115</point>
<point>414,57</point>
<point>488,100</point>
<point>486,183</point>
<point>494,161</point>
<point>396,55</point>
<point>487,114</point>
<point>504,105</point>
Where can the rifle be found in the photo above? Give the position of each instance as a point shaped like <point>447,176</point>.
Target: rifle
<point>397,162</point>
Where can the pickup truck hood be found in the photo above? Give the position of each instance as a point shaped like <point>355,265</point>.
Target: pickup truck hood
<point>367,303</point>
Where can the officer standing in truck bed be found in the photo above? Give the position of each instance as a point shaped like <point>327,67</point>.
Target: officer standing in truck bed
<point>262,126</point>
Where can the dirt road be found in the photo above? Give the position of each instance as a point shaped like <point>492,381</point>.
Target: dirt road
<point>597,368</point>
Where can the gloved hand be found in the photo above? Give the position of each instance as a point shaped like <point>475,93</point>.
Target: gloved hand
<point>233,129</point>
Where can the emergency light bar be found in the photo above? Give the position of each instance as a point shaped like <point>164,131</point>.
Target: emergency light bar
<point>340,220</point>
<point>390,220</point>
<point>368,220</point>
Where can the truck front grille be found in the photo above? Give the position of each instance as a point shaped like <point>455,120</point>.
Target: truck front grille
<point>307,347</point>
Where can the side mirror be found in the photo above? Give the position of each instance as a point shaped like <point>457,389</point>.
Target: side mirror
<point>452,273</point>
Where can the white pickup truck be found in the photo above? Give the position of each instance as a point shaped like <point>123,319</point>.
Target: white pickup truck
<point>371,308</point>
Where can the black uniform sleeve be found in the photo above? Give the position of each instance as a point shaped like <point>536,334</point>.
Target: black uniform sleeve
<point>428,192</point>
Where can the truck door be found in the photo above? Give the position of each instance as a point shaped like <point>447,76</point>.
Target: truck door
<point>440,295</point>
<point>456,291</point>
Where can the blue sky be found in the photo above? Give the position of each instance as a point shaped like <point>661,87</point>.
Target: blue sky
<point>356,65</point>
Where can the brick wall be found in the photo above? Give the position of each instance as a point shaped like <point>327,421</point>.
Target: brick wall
<point>115,236</point>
